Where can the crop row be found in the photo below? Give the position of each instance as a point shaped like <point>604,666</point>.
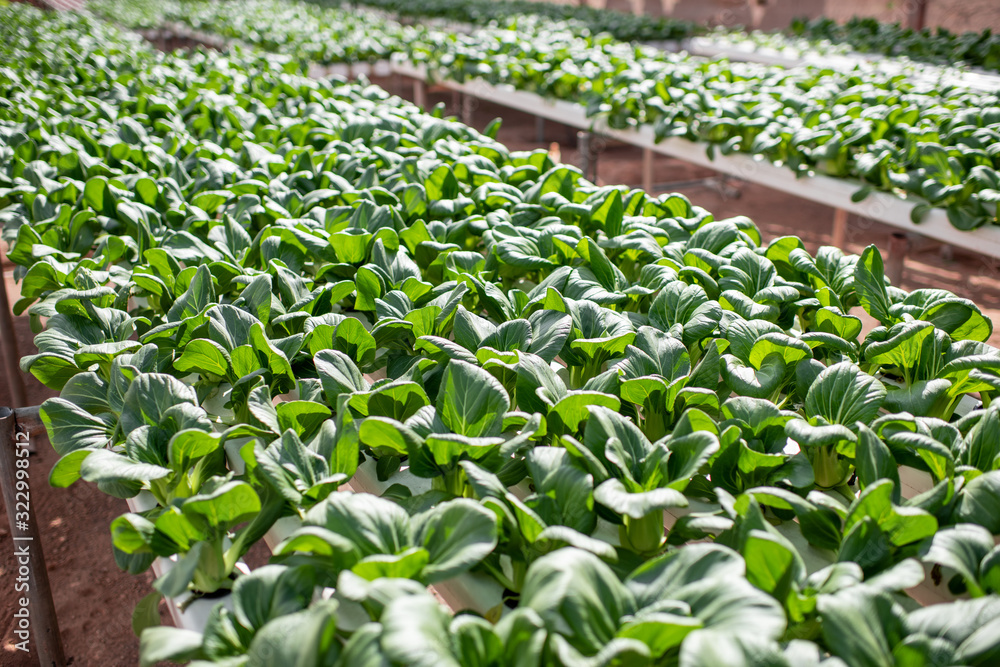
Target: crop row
<point>927,141</point>
<point>227,258</point>
<point>938,46</point>
<point>857,37</point>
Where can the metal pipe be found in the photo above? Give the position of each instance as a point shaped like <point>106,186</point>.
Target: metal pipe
<point>839,228</point>
<point>899,246</point>
<point>647,170</point>
<point>468,107</point>
<point>420,93</point>
<point>540,129</point>
<point>583,146</point>
<point>39,618</point>
<point>29,419</point>
<point>8,345</point>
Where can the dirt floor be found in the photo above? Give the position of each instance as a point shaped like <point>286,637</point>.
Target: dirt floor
<point>94,600</point>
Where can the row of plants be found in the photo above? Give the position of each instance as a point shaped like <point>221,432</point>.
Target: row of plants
<point>932,144</point>
<point>938,45</point>
<point>297,29</point>
<point>621,25</point>
<point>816,41</point>
<point>229,261</point>
<point>858,35</point>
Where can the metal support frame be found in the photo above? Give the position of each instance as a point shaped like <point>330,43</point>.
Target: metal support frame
<point>899,245</point>
<point>16,427</point>
<point>647,170</point>
<point>8,346</point>
<point>420,93</point>
<point>540,129</point>
<point>588,155</point>
<point>839,228</point>
<point>467,108</point>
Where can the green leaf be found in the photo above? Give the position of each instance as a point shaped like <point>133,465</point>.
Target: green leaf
<point>901,525</point>
<point>70,428</point>
<point>415,632</point>
<point>339,374</point>
<point>165,643</point>
<point>962,548</point>
<point>176,580</point>
<point>204,356</point>
<point>979,502</point>
<point>270,592</point>
<point>305,637</point>
<point>373,525</point>
<point>874,462</point>
<point>146,613</point>
<point>225,505</point>
<point>396,400</point>
<point>471,402</point>
<point>386,436</point>
<point>578,596</point>
<point>772,565</point>
<point>300,475</point>
<point>200,295</point>
<point>303,417</point>
<point>613,495</point>
<point>574,408</point>
<point>857,626</point>
<point>105,466</point>
<point>67,469</point>
<point>457,534</point>
<point>844,394</point>
<point>869,283</point>
<point>150,396</point>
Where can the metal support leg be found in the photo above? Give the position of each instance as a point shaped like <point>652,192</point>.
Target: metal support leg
<point>647,170</point>
<point>583,146</point>
<point>468,107</point>
<point>540,129</point>
<point>8,345</point>
<point>898,247</point>
<point>839,228</point>
<point>588,155</point>
<point>14,478</point>
<point>420,93</point>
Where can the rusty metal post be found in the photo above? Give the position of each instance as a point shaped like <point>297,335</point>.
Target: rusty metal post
<point>916,14</point>
<point>588,155</point>
<point>647,170</point>
<point>839,229</point>
<point>8,345</point>
<point>420,93</point>
<point>468,107</point>
<point>15,477</point>
<point>899,245</point>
